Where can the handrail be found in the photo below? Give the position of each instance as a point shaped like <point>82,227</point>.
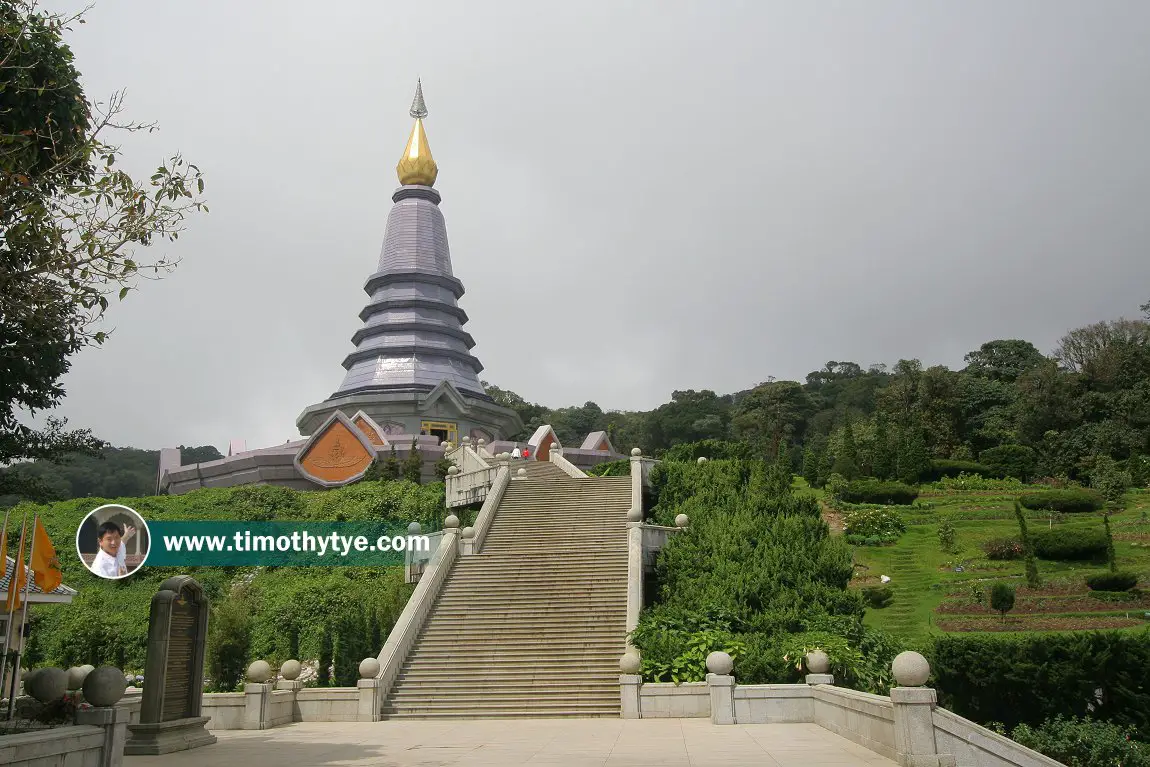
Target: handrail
<point>570,469</point>
<point>487,512</point>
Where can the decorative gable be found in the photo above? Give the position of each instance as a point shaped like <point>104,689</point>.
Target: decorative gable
<point>444,400</point>
<point>369,428</point>
<point>338,453</point>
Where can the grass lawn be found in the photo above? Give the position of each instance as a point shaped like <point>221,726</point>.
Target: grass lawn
<point>932,586</point>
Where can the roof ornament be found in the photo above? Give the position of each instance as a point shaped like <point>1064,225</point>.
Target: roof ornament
<point>418,108</point>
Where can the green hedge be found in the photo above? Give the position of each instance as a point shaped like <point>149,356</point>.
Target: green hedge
<point>1029,679</point>
<point>711,449</point>
<point>1069,543</point>
<point>611,469</point>
<point>1016,461</point>
<point>1067,501</point>
<point>942,468</point>
<point>874,491</point>
<point>1120,581</point>
<point>1084,742</point>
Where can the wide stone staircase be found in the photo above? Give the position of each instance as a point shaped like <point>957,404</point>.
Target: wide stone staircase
<point>533,625</point>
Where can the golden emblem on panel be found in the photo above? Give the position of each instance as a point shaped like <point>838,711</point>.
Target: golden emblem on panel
<point>336,455</point>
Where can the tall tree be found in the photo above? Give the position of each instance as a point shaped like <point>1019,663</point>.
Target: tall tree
<point>847,461</point>
<point>70,223</point>
<point>882,458</point>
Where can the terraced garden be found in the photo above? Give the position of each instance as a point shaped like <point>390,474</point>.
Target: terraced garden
<point>940,591</point>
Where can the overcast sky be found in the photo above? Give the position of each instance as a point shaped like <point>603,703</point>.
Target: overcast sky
<point>640,197</point>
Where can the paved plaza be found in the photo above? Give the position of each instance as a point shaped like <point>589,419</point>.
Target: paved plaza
<point>575,742</point>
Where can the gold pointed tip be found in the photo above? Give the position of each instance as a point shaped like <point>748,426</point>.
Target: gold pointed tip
<point>417,167</point>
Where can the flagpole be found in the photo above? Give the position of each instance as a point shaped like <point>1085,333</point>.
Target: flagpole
<point>15,569</point>
<point>8,623</point>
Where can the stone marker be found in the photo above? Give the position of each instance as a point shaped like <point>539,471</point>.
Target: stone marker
<point>170,707</point>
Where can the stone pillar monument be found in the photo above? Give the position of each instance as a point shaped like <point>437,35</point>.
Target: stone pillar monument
<point>173,672</point>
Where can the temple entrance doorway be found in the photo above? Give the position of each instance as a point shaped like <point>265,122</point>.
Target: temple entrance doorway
<point>441,430</point>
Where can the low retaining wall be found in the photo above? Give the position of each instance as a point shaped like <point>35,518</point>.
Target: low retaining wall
<point>76,746</point>
<point>226,710</point>
<point>327,704</point>
<point>906,727</point>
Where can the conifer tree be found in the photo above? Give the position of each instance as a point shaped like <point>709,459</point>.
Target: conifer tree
<point>882,462</point>
<point>810,466</point>
<point>413,464</point>
<point>1111,557</point>
<point>913,460</point>
<point>826,465</point>
<point>847,462</point>
<point>1032,578</point>
<point>391,465</point>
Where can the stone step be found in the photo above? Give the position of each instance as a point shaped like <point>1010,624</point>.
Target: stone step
<point>463,673</point>
<point>590,711</point>
<point>520,655</point>
<point>485,694</point>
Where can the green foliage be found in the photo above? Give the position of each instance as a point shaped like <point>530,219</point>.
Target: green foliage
<point>325,659</point>
<point>1033,580</point>
<point>913,459</point>
<point>878,596</point>
<point>1112,581</point>
<point>1068,501</point>
<point>229,641</point>
<point>882,522</point>
<point>882,456</point>
<point>391,465</point>
<point>1031,678</point>
<point>413,464</point>
<point>1084,742</point>
<point>945,468</point>
<point>1066,543</point>
<point>1109,478</point>
<point>1111,556</point>
<point>975,482</point>
<point>847,460</point>
<point>1017,461</point>
<point>611,469</point>
<point>810,468</point>
<point>947,536</point>
<point>711,449</point>
<point>875,491</point>
<point>1002,598</point>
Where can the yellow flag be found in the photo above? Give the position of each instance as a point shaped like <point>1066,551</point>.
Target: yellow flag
<point>19,577</point>
<point>45,566</point>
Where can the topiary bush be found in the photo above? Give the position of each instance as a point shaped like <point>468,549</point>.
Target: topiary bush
<point>1076,543</point>
<point>1119,581</point>
<point>874,491</point>
<point>1003,549</point>
<point>946,468</point>
<point>1016,461</point>
<point>1067,501</point>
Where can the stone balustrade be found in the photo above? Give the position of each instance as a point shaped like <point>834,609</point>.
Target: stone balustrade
<point>906,726</point>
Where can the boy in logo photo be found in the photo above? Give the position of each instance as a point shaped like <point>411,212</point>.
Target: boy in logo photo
<point>110,559</point>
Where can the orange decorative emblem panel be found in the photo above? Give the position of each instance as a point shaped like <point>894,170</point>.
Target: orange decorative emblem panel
<point>338,453</point>
<point>369,432</point>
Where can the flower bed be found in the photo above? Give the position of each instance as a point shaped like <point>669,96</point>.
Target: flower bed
<point>1043,605</point>
<point>1037,623</point>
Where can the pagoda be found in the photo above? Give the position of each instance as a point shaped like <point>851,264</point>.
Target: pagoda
<point>411,383</point>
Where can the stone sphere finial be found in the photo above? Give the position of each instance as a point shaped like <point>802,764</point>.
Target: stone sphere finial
<point>630,662</point>
<point>452,471</point>
<point>481,442</point>
<point>414,528</point>
<point>910,669</point>
<point>681,520</point>
<point>636,451</point>
<point>368,668</point>
<point>818,662</point>
<point>291,669</point>
<point>720,662</point>
<point>49,684</point>
<point>466,440</point>
<point>634,515</point>
<point>467,533</point>
<point>452,521</point>
<point>445,444</point>
<point>522,472</point>
<point>76,676</point>
<point>104,686</point>
<point>702,460</point>
<point>259,671</point>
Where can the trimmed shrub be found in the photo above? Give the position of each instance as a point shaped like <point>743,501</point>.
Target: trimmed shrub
<point>1120,581</point>
<point>611,469</point>
<point>1016,461</point>
<point>1002,598</point>
<point>1066,501</point>
<point>1003,548</point>
<point>1076,543</point>
<point>1084,742</point>
<point>878,596</point>
<point>944,468</point>
<point>1029,679</point>
<point>874,491</point>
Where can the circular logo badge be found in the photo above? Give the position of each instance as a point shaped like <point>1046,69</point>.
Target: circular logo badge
<point>113,541</point>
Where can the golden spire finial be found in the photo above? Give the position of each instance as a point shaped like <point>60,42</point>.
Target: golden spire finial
<point>417,166</point>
